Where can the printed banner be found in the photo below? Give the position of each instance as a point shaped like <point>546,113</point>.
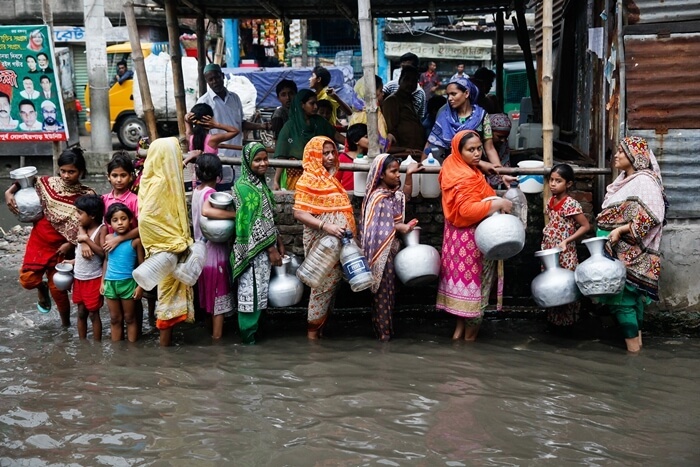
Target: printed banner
<point>31,106</point>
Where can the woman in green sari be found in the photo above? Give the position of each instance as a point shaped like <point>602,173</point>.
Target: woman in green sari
<point>303,124</point>
<point>258,245</point>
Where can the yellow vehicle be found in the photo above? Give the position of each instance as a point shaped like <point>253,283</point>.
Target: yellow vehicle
<point>124,121</point>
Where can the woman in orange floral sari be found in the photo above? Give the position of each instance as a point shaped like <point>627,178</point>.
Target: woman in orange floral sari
<point>465,276</point>
<point>322,205</point>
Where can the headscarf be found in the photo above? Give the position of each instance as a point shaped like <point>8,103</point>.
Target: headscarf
<point>318,191</point>
<point>298,132</point>
<point>500,122</point>
<point>323,96</point>
<point>58,203</point>
<point>463,188</point>
<point>164,225</point>
<point>381,209</point>
<point>644,162</point>
<point>447,123</point>
<point>255,222</point>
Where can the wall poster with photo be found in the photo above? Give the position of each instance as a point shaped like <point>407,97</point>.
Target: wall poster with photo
<point>31,105</point>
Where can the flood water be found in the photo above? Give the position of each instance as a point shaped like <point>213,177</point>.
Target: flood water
<point>517,397</point>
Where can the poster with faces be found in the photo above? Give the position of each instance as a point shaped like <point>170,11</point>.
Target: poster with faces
<point>31,104</point>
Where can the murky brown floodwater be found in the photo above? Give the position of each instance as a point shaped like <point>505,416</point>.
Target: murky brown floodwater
<point>517,397</point>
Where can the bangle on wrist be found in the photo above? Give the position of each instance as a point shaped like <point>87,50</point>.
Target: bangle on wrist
<point>320,226</point>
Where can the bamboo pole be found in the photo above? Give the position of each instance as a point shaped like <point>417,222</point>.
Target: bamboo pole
<point>547,127</point>
<point>370,97</point>
<point>304,43</point>
<point>176,61</point>
<point>149,114</point>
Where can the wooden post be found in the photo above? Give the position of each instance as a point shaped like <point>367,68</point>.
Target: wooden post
<point>219,52</point>
<point>304,43</point>
<point>176,61</point>
<point>547,127</point>
<point>47,16</point>
<point>370,97</point>
<point>149,114</point>
<point>201,54</point>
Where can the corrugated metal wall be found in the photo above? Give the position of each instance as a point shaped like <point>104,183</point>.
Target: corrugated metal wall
<point>557,13</point>
<point>677,153</point>
<point>663,81</point>
<point>663,105</point>
<point>662,11</point>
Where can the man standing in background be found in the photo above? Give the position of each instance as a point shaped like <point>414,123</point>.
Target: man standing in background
<point>430,80</point>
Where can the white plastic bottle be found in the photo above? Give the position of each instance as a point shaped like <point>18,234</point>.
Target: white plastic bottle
<point>429,183</point>
<point>415,189</point>
<point>516,196</point>
<point>360,178</point>
<point>354,264</point>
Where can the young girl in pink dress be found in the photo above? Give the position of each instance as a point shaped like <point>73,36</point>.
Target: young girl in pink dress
<point>567,223</point>
<point>214,283</point>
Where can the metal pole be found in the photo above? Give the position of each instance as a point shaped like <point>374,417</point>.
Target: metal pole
<point>176,61</point>
<point>95,49</point>
<point>149,114</point>
<point>201,53</point>
<point>370,97</point>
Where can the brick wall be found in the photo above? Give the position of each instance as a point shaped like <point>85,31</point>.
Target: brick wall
<point>519,270</point>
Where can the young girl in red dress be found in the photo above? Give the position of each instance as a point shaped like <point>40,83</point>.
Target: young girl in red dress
<point>567,223</point>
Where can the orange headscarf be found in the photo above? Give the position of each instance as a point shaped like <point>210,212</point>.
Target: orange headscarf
<point>318,191</point>
<point>463,188</point>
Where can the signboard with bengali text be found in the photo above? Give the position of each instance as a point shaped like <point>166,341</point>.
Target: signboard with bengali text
<point>31,104</point>
<point>479,49</point>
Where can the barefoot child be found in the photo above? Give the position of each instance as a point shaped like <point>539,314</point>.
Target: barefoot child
<point>215,294</point>
<point>382,217</point>
<point>566,225</point>
<point>87,271</point>
<point>118,285</point>
<point>257,246</point>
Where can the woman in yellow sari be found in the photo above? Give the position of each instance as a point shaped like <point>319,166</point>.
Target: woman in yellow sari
<point>164,226</point>
<point>322,205</point>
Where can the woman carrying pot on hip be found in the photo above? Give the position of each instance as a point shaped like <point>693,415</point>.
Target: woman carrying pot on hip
<point>322,205</point>
<point>55,235</point>
<point>634,211</point>
<point>465,276</point>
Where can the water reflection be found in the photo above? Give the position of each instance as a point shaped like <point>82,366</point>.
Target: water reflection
<point>514,398</point>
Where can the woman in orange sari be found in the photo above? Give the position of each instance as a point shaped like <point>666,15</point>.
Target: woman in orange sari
<point>465,276</point>
<point>322,205</point>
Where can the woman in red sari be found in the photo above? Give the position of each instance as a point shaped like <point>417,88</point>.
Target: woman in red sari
<point>465,276</point>
<point>55,235</point>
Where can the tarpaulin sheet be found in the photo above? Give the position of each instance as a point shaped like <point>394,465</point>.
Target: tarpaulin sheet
<point>265,80</point>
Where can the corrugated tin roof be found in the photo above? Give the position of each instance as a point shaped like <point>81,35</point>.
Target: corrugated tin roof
<point>662,83</point>
<point>662,11</point>
<point>326,9</point>
<point>677,154</point>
